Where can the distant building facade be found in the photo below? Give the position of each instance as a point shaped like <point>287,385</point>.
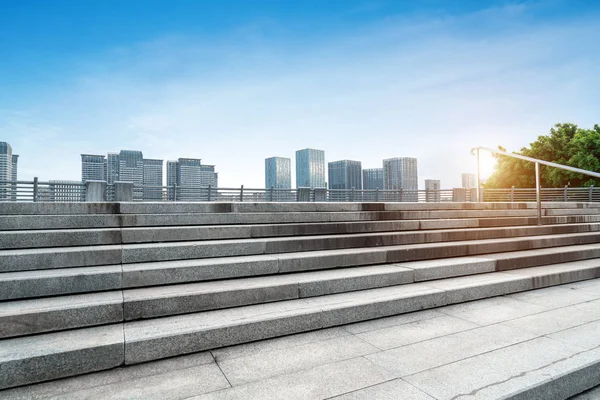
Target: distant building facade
<point>401,173</point>
<point>432,190</point>
<point>310,168</point>
<point>344,174</point>
<point>190,173</point>
<point>112,168</point>
<point>8,171</point>
<point>153,176</point>
<point>372,178</point>
<point>469,181</point>
<point>65,191</point>
<point>278,174</point>
<point>92,167</point>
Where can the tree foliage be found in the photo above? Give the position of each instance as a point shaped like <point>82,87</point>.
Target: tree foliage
<point>566,144</point>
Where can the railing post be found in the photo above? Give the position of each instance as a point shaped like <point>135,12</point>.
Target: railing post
<point>35,188</point>
<point>538,196</point>
<point>478,178</point>
<point>271,193</point>
<point>512,194</point>
<point>174,192</point>
<point>352,195</point>
<point>377,194</point>
<point>590,196</point>
<point>400,193</point>
<point>209,194</point>
<point>242,193</point>
<point>565,195</point>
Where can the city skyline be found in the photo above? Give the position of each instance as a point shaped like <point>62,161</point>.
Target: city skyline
<point>362,80</point>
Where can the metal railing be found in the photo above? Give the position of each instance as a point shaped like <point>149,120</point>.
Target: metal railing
<point>538,189</point>
<point>63,192</point>
<point>32,191</point>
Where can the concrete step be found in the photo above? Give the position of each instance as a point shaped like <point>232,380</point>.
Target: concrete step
<point>90,236</point>
<point>32,316</point>
<point>30,359</point>
<point>434,350</point>
<point>65,257</point>
<point>41,208</point>
<point>58,281</point>
<point>112,215</point>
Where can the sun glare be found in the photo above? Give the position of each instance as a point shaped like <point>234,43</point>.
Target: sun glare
<point>487,162</point>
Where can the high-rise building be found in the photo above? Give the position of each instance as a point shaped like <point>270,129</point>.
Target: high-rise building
<point>8,171</point>
<point>172,173</point>
<point>131,166</point>
<point>92,167</point>
<point>112,168</point>
<point>278,173</point>
<point>6,162</point>
<point>208,176</point>
<point>401,173</point>
<point>15,163</point>
<point>345,174</point>
<point>373,178</point>
<point>188,172</point>
<point>153,176</point>
<point>469,181</point>
<point>432,190</point>
<point>310,168</point>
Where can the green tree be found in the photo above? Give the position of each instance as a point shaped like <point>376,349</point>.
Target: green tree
<point>566,144</point>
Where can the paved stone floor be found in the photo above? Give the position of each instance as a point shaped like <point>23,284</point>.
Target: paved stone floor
<point>484,349</point>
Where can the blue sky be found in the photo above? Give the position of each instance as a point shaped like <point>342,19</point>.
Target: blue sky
<point>235,81</point>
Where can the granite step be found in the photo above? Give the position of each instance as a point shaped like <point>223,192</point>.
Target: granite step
<point>37,358</point>
<point>66,257</point>
<point>32,316</point>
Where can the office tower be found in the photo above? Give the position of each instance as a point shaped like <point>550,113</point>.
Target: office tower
<point>92,167</point>
<point>8,171</point>
<point>15,163</point>
<point>171,173</point>
<point>131,167</point>
<point>401,173</point>
<point>188,172</point>
<point>344,174</point>
<point>153,176</point>
<point>6,162</point>
<point>112,168</point>
<point>278,173</point>
<point>208,176</point>
<point>469,181</point>
<point>310,168</point>
<point>432,190</point>
<point>373,178</point>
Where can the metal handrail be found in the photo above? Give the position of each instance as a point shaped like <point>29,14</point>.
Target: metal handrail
<point>537,162</point>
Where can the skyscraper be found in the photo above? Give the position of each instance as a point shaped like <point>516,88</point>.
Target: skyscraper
<point>92,167</point>
<point>153,176</point>
<point>15,163</point>
<point>401,173</point>
<point>345,174</point>
<point>208,176</point>
<point>172,173</point>
<point>373,178</point>
<point>112,168</point>
<point>310,168</point>
<point>469,181</point>
<point>278,173</point>
<point>432,190</point>
<point>131,166</point>
<point>188,172</point>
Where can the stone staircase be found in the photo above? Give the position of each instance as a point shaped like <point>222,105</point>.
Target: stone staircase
<point>93,286</point>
